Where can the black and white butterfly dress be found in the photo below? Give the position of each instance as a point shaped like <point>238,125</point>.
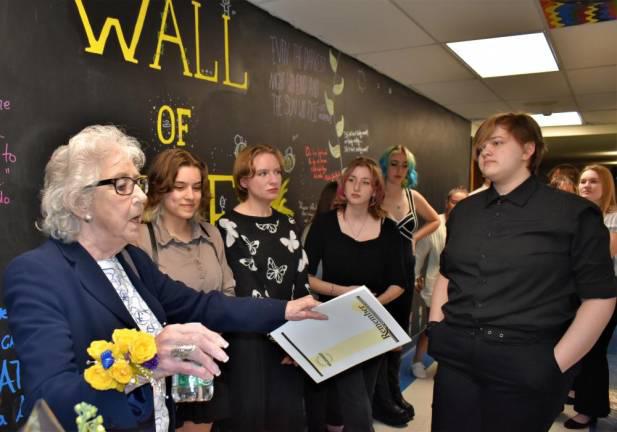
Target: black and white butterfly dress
<point>266,255</point>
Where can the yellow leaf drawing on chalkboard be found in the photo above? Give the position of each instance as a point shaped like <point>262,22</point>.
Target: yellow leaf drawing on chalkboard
<point>335,151</point>
<point>329,104</point>
<point>340,127</point>
<point>280,203</point>
<point>337,89</point>
<point>333,62</point>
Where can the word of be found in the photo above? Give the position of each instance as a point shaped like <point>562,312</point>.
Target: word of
<point>96,45</point>
<point>294,84</point>
<point>353,140</point>
<point>301,58</point>
<point>5,105</point>
<point>170,123</point>
<point>10,376</point>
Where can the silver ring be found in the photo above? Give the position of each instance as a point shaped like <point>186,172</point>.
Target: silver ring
<point>182,352</point>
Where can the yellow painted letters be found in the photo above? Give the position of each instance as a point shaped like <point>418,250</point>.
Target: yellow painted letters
<point>228,81</point>
<point>215,76</point>
<point>175,39</point>
<point>97,46</point>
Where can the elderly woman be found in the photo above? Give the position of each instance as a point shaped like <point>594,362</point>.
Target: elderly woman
<point>526,287</point>
<point>86,281</point>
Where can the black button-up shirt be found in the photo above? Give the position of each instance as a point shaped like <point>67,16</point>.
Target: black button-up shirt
<point>524,260</point>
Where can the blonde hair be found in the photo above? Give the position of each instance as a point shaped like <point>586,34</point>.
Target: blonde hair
<point>608,203</point>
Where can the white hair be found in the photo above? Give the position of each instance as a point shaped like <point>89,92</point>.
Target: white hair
<point>71,169</point>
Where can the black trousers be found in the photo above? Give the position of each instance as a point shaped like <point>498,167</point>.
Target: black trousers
<point>492,380</point>
<point>591,384</point>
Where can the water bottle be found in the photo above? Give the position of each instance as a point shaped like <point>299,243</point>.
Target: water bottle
<point>188,388</point>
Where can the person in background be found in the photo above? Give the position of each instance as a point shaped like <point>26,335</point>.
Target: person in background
<point>333,416</point>
<point>187,248</point>
<point>264,251</point>
<point>357,245</point>
<point>503,324</point>
<point>485,185</point>
<point>564,177</point>
<point>324,204</point>
<point>591,385</point>
<point>406,207</point>
<point>87,281</point>
<point>428,251</point>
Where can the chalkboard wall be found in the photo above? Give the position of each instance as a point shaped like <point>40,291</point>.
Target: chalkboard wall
<point>212,76</point>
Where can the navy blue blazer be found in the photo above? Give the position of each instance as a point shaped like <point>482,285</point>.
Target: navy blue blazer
<point>59,300</point>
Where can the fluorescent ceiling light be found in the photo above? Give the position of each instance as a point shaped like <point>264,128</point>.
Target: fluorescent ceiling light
<point>571,118</point>
<point>510,55</point>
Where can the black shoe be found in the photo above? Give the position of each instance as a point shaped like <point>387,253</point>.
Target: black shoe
<point>394,416</point>
<point>407,407</point>
<point>573,424</point>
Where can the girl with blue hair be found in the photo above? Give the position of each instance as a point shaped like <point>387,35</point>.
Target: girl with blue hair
<point>403,205</point>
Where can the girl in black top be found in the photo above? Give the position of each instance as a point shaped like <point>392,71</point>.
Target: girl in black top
<point>357,245</point>
<point>263,250</point>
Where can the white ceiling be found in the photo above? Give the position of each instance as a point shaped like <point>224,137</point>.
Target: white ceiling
<point>405,40</point>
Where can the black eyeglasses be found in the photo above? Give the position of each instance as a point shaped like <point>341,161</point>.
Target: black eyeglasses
<point>125,185</point>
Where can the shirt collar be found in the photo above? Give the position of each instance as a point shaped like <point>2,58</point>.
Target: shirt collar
<point>519,196</point>
<point>164,237</point>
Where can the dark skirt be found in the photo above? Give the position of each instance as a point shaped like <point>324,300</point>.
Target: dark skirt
<point>265,395</point>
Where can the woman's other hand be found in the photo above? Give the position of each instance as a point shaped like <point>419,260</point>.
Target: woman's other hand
<point>302,308</point>
<point>208,349</point>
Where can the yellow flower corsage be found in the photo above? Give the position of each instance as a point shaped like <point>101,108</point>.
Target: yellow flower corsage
<point>116,364</point>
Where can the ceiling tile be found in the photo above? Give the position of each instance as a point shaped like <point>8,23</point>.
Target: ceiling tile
<point>479,110</point>
<point>352,26</point>
<point>586,45</point>
<point>458,20</point>
<point>544,106</point>
<point>593,80</point>
<point>549,86</point>
<point>600,117</point>
<point>419,65</point>
<point>450,92</point>
<point>597,101</point>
